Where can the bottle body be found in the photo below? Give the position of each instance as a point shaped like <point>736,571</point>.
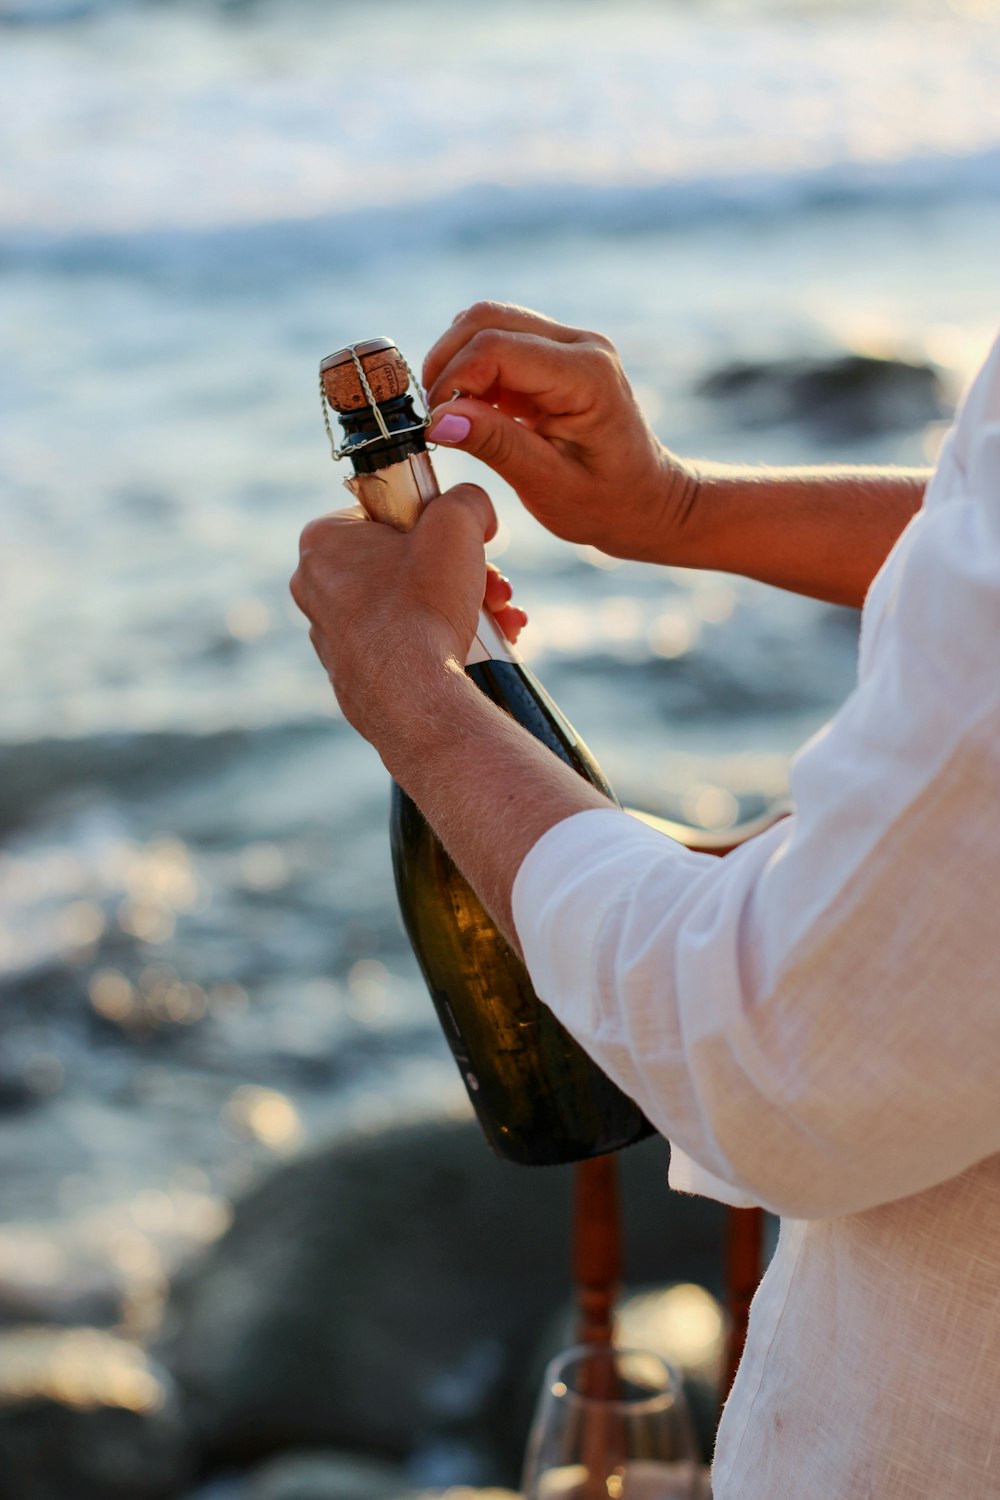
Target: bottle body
<point>538,1096</point>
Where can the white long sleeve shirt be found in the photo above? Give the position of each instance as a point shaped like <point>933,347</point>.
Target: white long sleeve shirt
<point>815,1021</point>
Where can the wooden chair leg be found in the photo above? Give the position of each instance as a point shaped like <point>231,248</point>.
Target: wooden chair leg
<point>597,1247</point>
<point>744,1267</point>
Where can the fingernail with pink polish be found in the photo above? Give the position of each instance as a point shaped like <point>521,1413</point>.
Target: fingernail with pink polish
<point>450,429</point>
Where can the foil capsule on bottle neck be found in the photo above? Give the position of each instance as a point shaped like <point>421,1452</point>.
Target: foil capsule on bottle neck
<point>396,496</point>
<point>366,384</point>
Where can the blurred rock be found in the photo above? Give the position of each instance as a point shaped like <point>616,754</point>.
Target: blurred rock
<point>88,1416</point>
<point>445,1460</point>
<point>848,396</point>
<point>221,1487</point>
<point>326,1476</point>
<point>388,1291</point>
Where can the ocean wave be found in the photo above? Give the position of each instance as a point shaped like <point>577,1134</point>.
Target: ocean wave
<point>38,777</point>
<point>486,213</point>
<point>45,13</point>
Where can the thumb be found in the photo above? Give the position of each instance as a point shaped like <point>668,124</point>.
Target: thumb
<point>512,450</point>
<point>464,506</point>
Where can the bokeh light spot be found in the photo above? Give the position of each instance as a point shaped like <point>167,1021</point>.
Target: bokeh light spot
<point>672,634</point>
<point>266,1116</point>
<point>710,807</point>
<point>248,619</point>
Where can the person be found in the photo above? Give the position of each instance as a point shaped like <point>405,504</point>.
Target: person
<point>813,1020</point>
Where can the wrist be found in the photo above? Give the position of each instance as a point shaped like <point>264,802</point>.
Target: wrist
<point>418,710</point>
<point>664,514</point>
<point>675,540</point>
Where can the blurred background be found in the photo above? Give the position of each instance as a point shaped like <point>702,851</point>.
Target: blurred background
<point>787,216</point>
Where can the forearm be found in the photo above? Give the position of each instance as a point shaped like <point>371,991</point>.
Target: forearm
<point>486,787</point>
<point>824,532</point>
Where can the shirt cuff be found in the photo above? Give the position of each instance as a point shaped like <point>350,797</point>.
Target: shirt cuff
<point>575,851</point>
<point>685,1176</point>
<point>560,970</point>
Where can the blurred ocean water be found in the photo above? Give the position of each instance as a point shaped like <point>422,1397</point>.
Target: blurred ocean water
<point>200,958</point>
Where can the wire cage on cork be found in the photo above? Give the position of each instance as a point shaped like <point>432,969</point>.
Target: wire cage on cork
<point>364,376</point>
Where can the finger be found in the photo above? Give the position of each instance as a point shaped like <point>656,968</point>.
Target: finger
<point>297,589</point>
<point>498,588</point>
<point>319,545</point>
<point>511,621</point>
<point>315,533</point>
<point>464,506</point>
<point>482,315</point>
<point>517,453</point>
<point>558,378</point>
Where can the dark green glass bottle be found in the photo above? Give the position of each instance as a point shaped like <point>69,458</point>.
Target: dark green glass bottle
<point>538,1097</point>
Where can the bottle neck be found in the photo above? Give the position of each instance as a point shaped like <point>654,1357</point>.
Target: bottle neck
<point>361,427</point>
<point>393,481</point>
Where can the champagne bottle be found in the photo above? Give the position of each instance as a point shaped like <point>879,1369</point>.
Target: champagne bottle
<point>539,1098</point>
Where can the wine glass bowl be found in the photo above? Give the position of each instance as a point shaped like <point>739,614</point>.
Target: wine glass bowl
<point>611,1424</point>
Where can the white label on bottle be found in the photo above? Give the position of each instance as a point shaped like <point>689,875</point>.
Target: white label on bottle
<point>489,642</point>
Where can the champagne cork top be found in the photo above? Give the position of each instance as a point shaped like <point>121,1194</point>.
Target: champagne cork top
<point>384,367</point>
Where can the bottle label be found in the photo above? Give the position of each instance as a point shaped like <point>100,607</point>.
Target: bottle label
<point>489,642</point>
<point>456,1040</point>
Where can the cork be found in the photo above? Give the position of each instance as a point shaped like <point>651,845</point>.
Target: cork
<point>385,371</point>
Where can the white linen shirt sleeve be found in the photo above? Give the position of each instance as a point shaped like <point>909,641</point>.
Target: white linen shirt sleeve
<point>815,1018</point>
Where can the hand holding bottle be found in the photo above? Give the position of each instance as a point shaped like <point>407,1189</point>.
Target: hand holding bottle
<point>376,597</point>
<point>549,408</point>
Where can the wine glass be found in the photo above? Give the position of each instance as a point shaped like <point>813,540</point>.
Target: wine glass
<point>611,1424</point>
